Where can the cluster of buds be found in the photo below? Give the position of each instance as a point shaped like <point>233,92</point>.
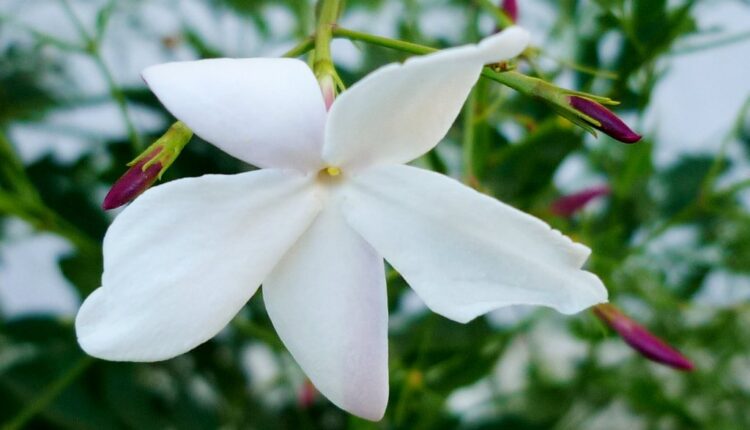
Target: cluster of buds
<point>641,339</point>
<point>148,167</point>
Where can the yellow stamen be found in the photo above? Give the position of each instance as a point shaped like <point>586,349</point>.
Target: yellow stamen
<point>333,171</point>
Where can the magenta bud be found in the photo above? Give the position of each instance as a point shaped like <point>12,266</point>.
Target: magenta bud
<point>306,395</point>
<point>609,122</point>
<point>568,205</point>
<point>641,339</point>
<point>135,181</point>
<point>510,7</point>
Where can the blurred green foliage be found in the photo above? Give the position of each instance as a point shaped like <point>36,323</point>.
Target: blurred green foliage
<point>517,146</point>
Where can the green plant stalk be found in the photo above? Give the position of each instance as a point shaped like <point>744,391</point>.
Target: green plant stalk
<point>15,172</point>
<point>117,93</point>
<point>328,14</point>
<point>515,80</point>
<point>304,46</point>
<point>92,49</point>
<point>527,85</point>
<point>468,141</point>
<point>49,394</point>
<point>25,202</point>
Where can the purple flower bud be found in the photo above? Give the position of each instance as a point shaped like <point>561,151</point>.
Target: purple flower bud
<point>641,339</point>
<point>148,166</point>
<point>609,122</point>
<point>306,395</point>
<point>510,7</point>
<point>135,181</point>
<point>568,205</point>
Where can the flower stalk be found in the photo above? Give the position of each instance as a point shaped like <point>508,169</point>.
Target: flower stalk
<point>325,72</point>
<point>640,339</point>
<point>149,166</point>
<point>590,119</point>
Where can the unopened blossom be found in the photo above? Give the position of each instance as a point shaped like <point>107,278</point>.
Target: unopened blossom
<point>572,203</point>
<point>640,339</point>
<point>510,7</point>
<point>608,122</point>
<point>137,179</point>
<point>332,199</point>
<point>306,395</point>
<point>148,167</point>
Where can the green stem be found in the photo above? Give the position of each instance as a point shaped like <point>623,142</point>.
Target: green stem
<point>116,93</point>
<point>385,42</point>
<point>48,395</point>
<point>92,49</point>
<point>329,12</point>
<point>468,139</point>
<point>301,48</point>
<point>26,203</point>
<point>15,171</point>
<point>718,163</point>
<point>556,97</point>
<point>515,80</point>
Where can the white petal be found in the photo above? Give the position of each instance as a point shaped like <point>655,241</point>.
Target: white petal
<point>401,111</point>
<point>183,259</point>
<point>465,253</point>
<point>266,111</point>
<point>327,300</point>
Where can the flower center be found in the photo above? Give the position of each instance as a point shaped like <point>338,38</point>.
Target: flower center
<point>330,175</point>
<point>332,170</point>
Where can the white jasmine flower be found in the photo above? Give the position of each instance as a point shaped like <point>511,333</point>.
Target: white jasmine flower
<point>332,199</point>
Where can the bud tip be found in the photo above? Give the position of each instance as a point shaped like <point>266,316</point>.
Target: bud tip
<point>609,123</point>
<point>640,339</point>
<point>131,184</point>
<point>510,7</point>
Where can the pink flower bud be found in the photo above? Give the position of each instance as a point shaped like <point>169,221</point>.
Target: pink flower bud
<point>135,181</point>
<point>568,205</point>
<point>609,123</point>
<point>328,87</point>
<point>510,7</point>
<point>641,339</point>
<point>306,395</point>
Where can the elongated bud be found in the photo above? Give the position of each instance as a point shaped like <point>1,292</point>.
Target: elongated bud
<point>641,339</point>
<point>148,167</point>
<point>510,7</point>
<point>570,204</point>
<point>583,109</point>
<point>608,122</point>
<point>136,180</point>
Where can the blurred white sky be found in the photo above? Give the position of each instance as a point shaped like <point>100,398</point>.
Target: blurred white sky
<point>692,107</point>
